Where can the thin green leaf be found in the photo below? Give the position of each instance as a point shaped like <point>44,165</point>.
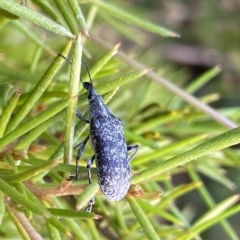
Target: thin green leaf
<point>130,32</point>
<point>2,207</point>
<point>31,35</point>
<point>168,149</point>
<point>102,62</point>
<point>20,177</point>
<point>137,138</point>
<point>47,8</point>
<point>36,207</point>
<point>89,192</point>
<point>66,13</point>
<point>93,229</point>
<point>178,91</point>
<point>54,234</point>
<point>19,185</point>
<point>79,16</point>
<point>103,88</point>
<point>17,218</point>
<point>32,123</point>
<point>15,76</point>
<point>58,225</point>
<point>73,225</point>
<point>34,17</point>
<point>207,224</point>
<point>203,79</point>
<point>222,141</point>
<point>66,213</point>
<point>42,85</point>
<point>217,210</point>
<point>196,84</point>
<point>207,198</point>
<point>6,115</point>
<point>6,15</point>
<point>24,201</point>
<point>142,219</point>
<point>216,174</point>
<point>156,210</point>
<point>37,131</point>
<point>130,18</point>
<point>177,192</point>
<point>4,90</point>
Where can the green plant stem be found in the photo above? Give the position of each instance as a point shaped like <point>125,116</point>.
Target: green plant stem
<point>72,103</point>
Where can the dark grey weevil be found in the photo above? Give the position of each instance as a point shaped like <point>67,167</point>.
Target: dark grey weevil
<point>109,145</point>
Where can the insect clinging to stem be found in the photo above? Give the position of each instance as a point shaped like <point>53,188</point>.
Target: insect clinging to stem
<point>109,145</point>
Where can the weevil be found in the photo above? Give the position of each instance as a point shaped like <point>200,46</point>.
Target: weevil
<point>109,145</point>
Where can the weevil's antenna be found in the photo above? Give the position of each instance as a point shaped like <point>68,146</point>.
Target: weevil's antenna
<point>86,65</point>
<point>69,61</point>
<point>83,61</point>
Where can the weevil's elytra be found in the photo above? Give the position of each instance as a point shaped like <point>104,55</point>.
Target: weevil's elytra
<point>106,134</point>
<point>109,145</point>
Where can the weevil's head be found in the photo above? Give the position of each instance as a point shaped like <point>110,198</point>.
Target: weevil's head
<point>91,91</point>
<point>87,85</point>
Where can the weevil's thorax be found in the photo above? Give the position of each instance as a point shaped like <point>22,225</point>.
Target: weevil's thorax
<point>96,105</point>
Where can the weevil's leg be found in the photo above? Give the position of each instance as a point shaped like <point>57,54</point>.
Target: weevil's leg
<point>79,115</point>
<point>88,208</point>
<point>89,166</point>
<point>80,147</point>
<point>132,148</point>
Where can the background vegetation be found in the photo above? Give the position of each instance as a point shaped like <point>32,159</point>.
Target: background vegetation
<point>186,147</point>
